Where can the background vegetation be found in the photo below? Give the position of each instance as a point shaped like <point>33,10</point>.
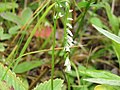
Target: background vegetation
<point>59,44</point>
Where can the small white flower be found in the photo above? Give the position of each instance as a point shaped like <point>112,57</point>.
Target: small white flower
<point>55,17</point>
<point>70,10</point>
<point>67,61</point>
<point>69,32</point>
<point>68,68</point>
<point>75,42</point>
<point>69,25</point>
<point>60,5</point>
<point>56,5</point>
<point>69,19</point>
<point>67,48</point>
<point>70,43</point>
<point>69,38</point>
<point>60,14</point>
<point>66,3</point>
<point>68,65</point>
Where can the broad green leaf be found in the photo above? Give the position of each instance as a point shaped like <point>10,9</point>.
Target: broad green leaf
<point>114,82</point>
<point>26,66</point>
<point>57,85</point>
<point>5,36</point>
<point>11,79</point>
<point>96,21</point>
<point>108,34</point>
<point>7,6</point>
<point>26,15</point>
<point>98,74</point>
<point>14,30</point>
<point>2,48</point>
<point>12,17</point>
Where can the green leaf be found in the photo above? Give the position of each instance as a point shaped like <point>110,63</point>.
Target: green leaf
<point>26,66</point>
<point>5,36</point>
<point>2,48</point>
<point>104,81</point>
<point>1,31</point>
<point>96,21</point>
<point>57,85</point>
<point>14,30</point>
<point>82,4</point>
<point>4,86</point>
<point>108,34</point>
<point>113,20</point>
<point>98,74</point>
<point>10,79</point>
<point>26,15</point>
<point>116,47</point>
<point>12,17</point>
<point>7,6</point>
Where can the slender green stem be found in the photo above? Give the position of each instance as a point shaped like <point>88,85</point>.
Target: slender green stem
<point>68,81</point>
<point>53,51</point>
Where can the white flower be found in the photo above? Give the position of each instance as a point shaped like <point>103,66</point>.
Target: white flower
<point>69,19</point>
<point>55,17</point>
<point>56,5</point>
<point>68,68</point>
<point>69,32</point>
<point>70,43</point>
<point>66,3</point>
<point>67,48</point>
<point>69,38</point>
<point>60,14</point>
<point>68,65</point>
<point>60,5</point>
<point>70,10</point>
<point>69,25</point>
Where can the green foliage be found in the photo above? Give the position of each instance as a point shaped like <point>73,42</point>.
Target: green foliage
<point>108,34</point>
<point>82,4</point>
<point>14,30</point>
<point>58,83</point>
<point>26,15</point>
<point>104,81</point>
<point>20,21</point>
<point>100,76</point>
<point>27,65</point>
<point>105,87</point>
<point>115,38</point>
<point>4,86</point>
<point>7,6</point>
<point>84,12</point>
<point>3,36</point>
<point>10,79</point>
<point>12,82</point>
<point>96,21</point>
<point>2,48</point>
<point>12,17</point>
<point>113,20</point>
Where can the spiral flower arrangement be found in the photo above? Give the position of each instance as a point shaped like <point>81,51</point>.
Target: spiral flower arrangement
<point>68,36</point>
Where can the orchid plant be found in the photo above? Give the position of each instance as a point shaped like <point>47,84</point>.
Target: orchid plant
<point>68,36</point>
